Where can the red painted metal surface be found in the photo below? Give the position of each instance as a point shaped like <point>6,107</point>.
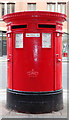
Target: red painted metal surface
<point>58,61</point>
<point>33,68</point>
<point>65,54</point>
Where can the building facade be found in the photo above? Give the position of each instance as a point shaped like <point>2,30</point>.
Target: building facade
<point>10,6</point>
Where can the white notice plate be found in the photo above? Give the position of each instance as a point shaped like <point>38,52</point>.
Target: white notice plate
<point>46,40</point>
<point>32,34</point>
<point>19,40</point>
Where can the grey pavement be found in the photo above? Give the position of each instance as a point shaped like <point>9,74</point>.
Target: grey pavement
<point>3,72</point>
<point>64,74</point>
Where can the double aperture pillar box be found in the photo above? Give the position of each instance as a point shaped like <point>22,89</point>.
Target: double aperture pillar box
<point>34,61</point>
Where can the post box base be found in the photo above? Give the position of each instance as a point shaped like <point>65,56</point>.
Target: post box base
<point>35,102</point>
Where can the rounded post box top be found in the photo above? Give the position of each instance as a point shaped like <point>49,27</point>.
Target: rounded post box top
<point>39,15</point>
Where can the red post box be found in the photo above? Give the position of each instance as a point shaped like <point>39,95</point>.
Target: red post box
<point>34,66</point>
<point>65,54</point>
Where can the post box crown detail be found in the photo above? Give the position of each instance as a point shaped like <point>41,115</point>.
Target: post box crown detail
<point>44,15</point>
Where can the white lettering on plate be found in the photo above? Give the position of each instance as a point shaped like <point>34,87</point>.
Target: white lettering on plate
<point>32,34</point>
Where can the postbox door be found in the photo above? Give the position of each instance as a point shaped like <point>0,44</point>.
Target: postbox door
<point>58,61</point>
<point>33,62</point>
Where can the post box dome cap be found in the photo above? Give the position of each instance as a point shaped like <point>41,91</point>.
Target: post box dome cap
<point>44,15</point>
